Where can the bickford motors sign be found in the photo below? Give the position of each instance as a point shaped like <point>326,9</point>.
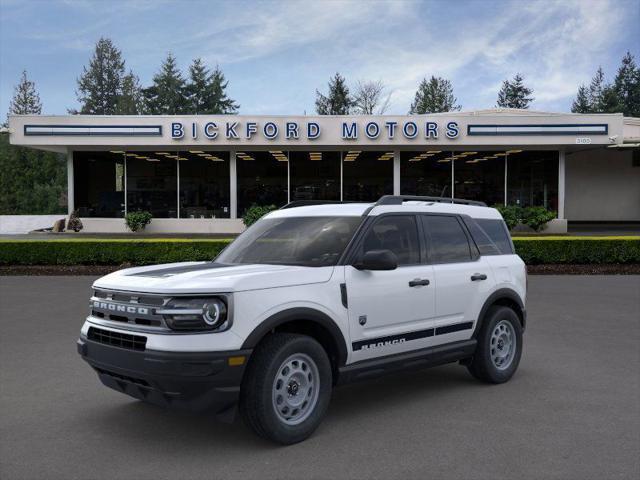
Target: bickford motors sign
<point>294,130</point>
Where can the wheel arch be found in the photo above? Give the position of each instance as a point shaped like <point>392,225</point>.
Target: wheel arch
<point>307,321</point>
<point>506,297</point>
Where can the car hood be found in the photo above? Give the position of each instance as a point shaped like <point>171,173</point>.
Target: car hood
<point>210,277</point>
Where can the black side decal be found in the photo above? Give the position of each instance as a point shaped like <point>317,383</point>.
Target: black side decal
<point>406,337</point>
<point>456,327</point>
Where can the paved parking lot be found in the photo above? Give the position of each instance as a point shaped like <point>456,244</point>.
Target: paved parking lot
<point>572,410</point>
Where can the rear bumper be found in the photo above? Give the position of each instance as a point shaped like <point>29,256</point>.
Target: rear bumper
<point>195,381</point>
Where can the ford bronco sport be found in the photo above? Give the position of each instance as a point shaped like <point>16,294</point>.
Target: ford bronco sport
<point>310,297</point>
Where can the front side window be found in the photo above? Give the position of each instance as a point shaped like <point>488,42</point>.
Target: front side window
<point>304,241</point>
<point>397,233</point>
<point>448,242</point>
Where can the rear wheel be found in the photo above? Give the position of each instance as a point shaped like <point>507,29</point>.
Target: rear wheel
<point>286,389</point>
<point>499,346</point>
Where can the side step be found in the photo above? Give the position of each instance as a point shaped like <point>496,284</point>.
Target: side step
<point>416,359</point>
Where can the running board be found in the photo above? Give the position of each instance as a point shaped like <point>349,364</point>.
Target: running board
<point>416,359</point>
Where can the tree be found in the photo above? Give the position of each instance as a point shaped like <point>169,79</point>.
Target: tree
<point>100,85</point>
<point>206,92</point>
<point>514,94</point>
<point>338,101</point>
<point>434,95</point>
<point>370,98</point>
<point>581,104</point>
<point>596,91</point>
<point>627,86</point>
<point>25,99</point>
<point>130,101</point>
<point>167,95</point>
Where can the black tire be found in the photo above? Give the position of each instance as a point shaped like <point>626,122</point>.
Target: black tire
<point>482,366</point>
<point>256,394</point>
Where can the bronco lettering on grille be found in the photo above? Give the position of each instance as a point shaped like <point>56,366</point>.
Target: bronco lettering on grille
<point>115,307</point>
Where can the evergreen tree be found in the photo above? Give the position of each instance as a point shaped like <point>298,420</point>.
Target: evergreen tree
<point>130,101</point>
<point>167,95</point>
<point>596,91</point>
<point>25,99</point>
<point>433,96</point>
<point>338,101</point>
<point>218,100</point>
<point>31,181</point>
<point>514,94</point>
<point>581,104</point>
<point>100,85</point>
<point>206,91</point>
<point>627,86</point>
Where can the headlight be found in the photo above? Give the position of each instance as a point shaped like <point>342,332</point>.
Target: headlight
<point>196,313</point>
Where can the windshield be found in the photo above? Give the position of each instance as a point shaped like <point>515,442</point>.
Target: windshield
<point>305,241</point>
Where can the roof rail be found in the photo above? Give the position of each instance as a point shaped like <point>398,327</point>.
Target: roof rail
<point>306,203</point>
<point>399,199</point>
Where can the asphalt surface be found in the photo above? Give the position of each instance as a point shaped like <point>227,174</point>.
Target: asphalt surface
<point>571,412</point>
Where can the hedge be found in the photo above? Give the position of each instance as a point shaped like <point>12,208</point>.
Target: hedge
<point>107,252</point>
<point>533,250</point>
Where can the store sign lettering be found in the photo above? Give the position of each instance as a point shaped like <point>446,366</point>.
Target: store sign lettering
<point>349,130</point>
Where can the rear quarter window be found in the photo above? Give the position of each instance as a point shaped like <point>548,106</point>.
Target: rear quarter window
<point>496,232</point>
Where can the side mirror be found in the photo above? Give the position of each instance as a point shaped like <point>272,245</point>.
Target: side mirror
<point>377,260</point>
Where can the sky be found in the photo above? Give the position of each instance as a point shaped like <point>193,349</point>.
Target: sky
<point>276,54</point>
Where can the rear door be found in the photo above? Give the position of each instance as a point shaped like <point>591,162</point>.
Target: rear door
<point>462,277</point>
<point>390,311</point>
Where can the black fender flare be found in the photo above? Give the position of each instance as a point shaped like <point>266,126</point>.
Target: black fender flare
<point>500,294</point>
<point>300,313</point>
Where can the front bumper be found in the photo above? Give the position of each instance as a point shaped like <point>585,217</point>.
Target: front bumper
<point>195,381</point>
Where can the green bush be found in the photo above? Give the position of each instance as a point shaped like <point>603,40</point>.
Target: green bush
<point>255,213</point>
<point>510,213</point>
<point>578,250</point>
<point>107,252</point>
<point>534,217</point>
<point>541,250</point>
<point>537,217</point>
<point>137,220</point>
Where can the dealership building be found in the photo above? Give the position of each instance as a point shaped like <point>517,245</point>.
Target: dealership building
<point>200,173</point>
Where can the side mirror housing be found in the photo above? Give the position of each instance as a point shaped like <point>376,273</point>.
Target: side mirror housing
<point>377,260</point>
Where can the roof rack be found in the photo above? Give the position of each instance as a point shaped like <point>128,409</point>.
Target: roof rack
<point>307,203</point>
<point>399,199</point>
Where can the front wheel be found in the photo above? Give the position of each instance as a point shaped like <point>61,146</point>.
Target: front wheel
<point>499,346</point>
<point>286,389</point>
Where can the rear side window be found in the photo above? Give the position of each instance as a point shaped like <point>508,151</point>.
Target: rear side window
<point>398,233</point>
<point>497,231</point>
<point>486,246</point>
<point>448,242</point>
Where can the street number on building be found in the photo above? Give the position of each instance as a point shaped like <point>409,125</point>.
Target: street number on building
<point>583,141</point>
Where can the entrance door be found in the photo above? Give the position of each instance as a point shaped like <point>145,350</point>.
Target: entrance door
<point>390,310</point>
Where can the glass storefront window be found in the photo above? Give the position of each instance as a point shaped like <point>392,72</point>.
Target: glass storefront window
<point>262,179</point>
<point>314,175</point>
<point>532,179</point>
<point>479,175</point>
<point>366,176</point>
<point>152,183</point>
<point>426,172</point>
<point>99,184</point>
<point>204,184</point>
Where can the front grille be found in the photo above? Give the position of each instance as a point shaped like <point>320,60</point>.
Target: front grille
<point>117,339</point>
<point>134,309</point>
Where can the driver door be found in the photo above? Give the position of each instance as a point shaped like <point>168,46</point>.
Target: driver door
<point>390,311</point>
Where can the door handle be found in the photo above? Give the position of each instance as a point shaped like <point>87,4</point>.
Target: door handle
<point>418,282</point>
<point>478,276</point>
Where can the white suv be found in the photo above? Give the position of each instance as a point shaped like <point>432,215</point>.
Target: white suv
<point>308,298</point>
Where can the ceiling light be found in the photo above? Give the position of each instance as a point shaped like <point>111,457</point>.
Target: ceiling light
<point>434,151</point>
<point>444,160</point>
<point>152,160</point>
<point>162,153</point>
<point>141,157</point>
<point>514,151</point>
<point>116,151</point>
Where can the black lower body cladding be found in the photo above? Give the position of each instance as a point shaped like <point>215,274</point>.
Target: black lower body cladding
<point>194,381</point>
